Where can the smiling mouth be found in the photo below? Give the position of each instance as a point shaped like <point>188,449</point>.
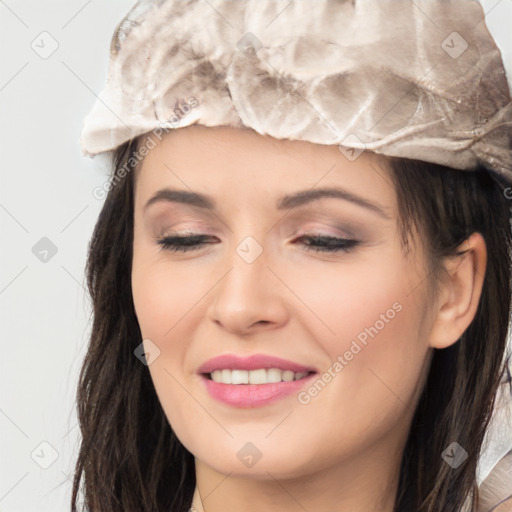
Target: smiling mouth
<point>258,376</point>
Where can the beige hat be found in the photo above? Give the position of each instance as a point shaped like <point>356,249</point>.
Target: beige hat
<point>422,79</point>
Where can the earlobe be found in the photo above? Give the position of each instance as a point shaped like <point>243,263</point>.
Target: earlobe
<point>460,292</point>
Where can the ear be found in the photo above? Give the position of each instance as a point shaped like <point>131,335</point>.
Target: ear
<point>459,292</point>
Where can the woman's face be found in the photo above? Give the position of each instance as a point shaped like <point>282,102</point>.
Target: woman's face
<point>356,316</point>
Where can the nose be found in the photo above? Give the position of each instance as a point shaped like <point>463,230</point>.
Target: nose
<point>249,298</point>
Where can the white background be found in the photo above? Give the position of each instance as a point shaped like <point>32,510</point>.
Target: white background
<point>47,192</point>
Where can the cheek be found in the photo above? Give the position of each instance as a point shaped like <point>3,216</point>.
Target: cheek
<point>369,328</point>
<point>162,296</point>
<point>166,302</point>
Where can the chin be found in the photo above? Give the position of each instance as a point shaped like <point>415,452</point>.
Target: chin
<point>254,460</point>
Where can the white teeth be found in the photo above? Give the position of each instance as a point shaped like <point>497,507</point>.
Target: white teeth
<point>287,376</point>
<point>274,375</point>
<point>239,377</point>
<point>226,376</point>
<point>260,376</point>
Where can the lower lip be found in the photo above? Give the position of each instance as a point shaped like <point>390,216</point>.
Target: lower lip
<point>253,395</point>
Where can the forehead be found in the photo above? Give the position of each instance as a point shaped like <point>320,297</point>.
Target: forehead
<point>240,162</point>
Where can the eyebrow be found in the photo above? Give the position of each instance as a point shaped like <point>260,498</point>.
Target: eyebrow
<point>294,200</point>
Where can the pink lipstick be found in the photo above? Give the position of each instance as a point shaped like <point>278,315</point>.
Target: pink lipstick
<point>253,381</point>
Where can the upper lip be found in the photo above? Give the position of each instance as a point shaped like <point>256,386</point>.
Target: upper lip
<point>253,362</point>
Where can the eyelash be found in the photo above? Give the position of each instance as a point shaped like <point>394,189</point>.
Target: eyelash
<point>328,244</point>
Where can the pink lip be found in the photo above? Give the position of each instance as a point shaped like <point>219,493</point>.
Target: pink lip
<point>252,395</point>
<point>254,362</point>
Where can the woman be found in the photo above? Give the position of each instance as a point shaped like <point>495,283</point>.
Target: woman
<point>306,306</point>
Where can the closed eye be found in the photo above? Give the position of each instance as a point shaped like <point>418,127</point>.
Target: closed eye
<point>320,243</point>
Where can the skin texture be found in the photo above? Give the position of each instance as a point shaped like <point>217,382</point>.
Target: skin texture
<point>341,450</point>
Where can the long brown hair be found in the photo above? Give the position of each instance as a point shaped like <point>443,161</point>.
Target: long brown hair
<point>130,458</point>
